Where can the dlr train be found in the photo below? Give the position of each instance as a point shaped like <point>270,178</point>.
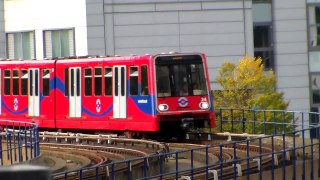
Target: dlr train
<point>138,94</point>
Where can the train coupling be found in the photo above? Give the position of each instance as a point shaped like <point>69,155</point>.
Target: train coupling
<point>187,123</point>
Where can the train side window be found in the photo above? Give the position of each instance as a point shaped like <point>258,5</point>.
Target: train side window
<point>88,81</point>
<point>144,81</point>
<point>15,82</point>
<point>46,82</point>
<point>108,81</point>
<point>24,82</point>
<point>97,81</point>
<point>133,80</point>
<point>66,81</point>
<point>7,84</point>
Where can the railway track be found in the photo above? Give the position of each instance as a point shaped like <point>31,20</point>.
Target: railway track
<point>227,159</point>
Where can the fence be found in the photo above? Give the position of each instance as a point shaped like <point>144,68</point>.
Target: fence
<point>280,149</point>
<point>19,142</point>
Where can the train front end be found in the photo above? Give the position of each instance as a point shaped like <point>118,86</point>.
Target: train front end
<point>183,93</point>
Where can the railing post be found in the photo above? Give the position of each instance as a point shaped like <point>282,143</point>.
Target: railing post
<point>284,156</point>
<point>232,119</point>
<point>145,167</point>
<point>221,160</point>
<point>221,120</point>
<point>191,163</point>
<point>311,153</point>
<point>272,156</point>
<point>207,162</point>
<point>260,157</point>
<point>303,156</point>
<point>248,157</point>
<point>294,155</point>
<point>160,165</point>
<point>235,160</point>
<point>177,165</point>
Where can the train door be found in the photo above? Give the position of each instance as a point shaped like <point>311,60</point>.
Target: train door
<point>33,97</point>
<point>75,92</point>
<point>120,92</point>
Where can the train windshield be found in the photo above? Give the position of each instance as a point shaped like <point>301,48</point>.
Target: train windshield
<point>180,76</point>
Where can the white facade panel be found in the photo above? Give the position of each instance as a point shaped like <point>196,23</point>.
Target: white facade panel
<point>212,28</point>
<point>291,25</point>
<point>295,71</point>
<point>288,48</point>
<point>292,59</point>
<point>300,82</point>
<point>287,14</point>
<point>218,50</point>
<point>212,39</point>
<point>178,6</point>
<point>146,42</point>
<point>291,37</point>
<point>146,18</point>
<point>211,16</point>
<point>62,14</point>
<point>130,8</point>
<point>222,5</point>
<point>147,30</point>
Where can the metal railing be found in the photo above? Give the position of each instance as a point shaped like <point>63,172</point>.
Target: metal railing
<point>273,145</point>
<point>19,142</point>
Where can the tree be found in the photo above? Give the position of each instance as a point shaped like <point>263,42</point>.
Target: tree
<point>248,86</point>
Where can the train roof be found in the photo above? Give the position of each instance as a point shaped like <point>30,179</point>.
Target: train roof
<point>89,58</point>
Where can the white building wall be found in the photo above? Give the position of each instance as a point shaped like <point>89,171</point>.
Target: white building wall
<point>291,52</point>
<point>221,29</point>
<point>2,34</point>
<point>39,15</point>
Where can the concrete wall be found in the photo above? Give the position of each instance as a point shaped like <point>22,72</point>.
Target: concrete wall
<point>221,29</point>
<point>291,52</point>
<point>2,34</point>
<point>39,15</point>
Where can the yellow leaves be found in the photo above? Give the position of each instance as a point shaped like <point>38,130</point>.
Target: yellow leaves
<point>247,85</point>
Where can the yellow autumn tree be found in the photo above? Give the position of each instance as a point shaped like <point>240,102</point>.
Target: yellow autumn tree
<point>247,85</point>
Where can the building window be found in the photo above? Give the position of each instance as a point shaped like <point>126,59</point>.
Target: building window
<point>314,26</point>
<point>59,43</point>
<point>262,29</point>
<point>20,45</point>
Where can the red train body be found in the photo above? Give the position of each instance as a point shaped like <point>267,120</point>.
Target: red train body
<point>146,93</point>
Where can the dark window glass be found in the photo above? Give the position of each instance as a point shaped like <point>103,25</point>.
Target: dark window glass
<point>98,81</point>
<point>88,81</point>
<point>24,82</point>
<point>66,83</point>
<point>30,83</point>
<point>134,80</point>
<point>144,81</point>
<point>108,81</point>
<point>15,82</point>
<point>261,36</point>
<point>72,82</point>
<point>7,84</point>
<point>267,59</point>
<point>78,81</point>
<point>36,82</point>
<point>116,81</point>
<point>46,82</point>
<point>316,96</point>
<point>122,81</point>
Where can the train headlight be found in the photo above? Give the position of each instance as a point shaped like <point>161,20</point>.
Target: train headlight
<point>204,105</point>
<point>163,107</point>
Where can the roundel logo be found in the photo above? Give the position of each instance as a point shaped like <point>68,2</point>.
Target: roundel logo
<point>15,104</point>
<point>183,102</point>
<point>98,105</point>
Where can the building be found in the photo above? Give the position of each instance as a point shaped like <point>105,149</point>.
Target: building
<point>284,34</point>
